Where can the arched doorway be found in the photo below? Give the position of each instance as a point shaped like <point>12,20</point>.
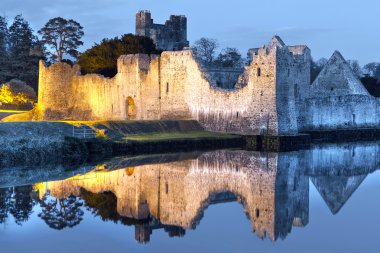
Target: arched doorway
<point>130,108</point>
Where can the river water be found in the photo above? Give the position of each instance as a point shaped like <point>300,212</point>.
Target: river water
<point>324,199</point>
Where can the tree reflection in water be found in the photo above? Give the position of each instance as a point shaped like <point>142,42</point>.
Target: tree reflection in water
<point>61,213</point>
<point>16,201</point>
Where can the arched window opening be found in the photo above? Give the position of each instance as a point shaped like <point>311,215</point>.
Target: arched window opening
<point>258,71</point>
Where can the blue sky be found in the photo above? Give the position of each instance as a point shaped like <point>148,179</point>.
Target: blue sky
<point>350,26</point>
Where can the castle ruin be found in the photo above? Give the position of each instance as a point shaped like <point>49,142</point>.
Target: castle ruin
<point>172,36</point>
<point>271,96</point>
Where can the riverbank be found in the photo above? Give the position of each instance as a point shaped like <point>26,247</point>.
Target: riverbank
<point>73,142</point>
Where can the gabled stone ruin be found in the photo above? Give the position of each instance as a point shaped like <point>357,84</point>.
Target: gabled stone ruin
<point>338,100</point>
<point>337,79</point>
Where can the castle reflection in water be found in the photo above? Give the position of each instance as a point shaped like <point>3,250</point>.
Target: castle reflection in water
<point>172,192</point>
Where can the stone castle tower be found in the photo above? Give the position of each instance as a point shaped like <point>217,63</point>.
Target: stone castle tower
<point>172,36</point>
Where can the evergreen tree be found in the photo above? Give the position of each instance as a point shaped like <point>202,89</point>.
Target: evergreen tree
<point>62,37</point>
<point>229,58</point>
<point>3,49</point>
<point>102,58</point>
<point>20,38</point>
<point>23,65</point>
<point>3,37</point>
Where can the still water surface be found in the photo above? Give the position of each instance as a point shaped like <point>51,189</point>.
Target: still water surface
<point>320,200</point>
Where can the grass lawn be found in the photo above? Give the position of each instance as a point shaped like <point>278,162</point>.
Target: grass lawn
<point>177,136</point>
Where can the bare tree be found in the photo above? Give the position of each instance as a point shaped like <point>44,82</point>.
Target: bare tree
<point>354,64</point>
<point>205,49</point>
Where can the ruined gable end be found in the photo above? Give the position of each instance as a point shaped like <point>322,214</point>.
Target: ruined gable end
<point>276,41</point>
<point>337,78</point>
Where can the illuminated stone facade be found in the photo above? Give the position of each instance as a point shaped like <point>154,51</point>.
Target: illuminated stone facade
<point>273,94</point>
<point>175,86</point>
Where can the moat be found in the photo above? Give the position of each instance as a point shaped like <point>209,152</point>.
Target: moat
<point>322,199</point>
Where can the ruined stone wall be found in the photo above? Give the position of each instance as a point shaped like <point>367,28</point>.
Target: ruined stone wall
<point>172,36</point>
<point>337,100</point>
<point>65,94</point>
<point>55,89</point>
<point>300,73</point>
<point>175,86</point>
<point>342,112</point>
<point>225,78</point>
<point>251,109</point>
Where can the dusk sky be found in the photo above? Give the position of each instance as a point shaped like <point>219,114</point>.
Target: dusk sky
<point>350,26</point>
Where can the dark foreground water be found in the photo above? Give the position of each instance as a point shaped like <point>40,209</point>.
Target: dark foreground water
<point>325,199</point>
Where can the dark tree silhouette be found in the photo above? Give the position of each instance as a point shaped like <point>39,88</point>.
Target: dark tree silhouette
<point>20,38</point>
<point>205,50</point>
<point>61,213</point>
<point>4,33</point>
<point>19,52</point>
<point>229,58</point>
<point>5,204</point>
<point>18,202</point>
<point>102,58</point>
<point>61,37</point>
<point>371,84</point>
<point>22,206</point>
<point>316,68</point>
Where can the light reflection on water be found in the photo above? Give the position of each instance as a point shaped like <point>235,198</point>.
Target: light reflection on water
<point>322,199</point>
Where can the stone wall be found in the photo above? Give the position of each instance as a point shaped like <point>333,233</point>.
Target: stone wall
<point>342,112</point>
<point>175,86</point>
<point>65,94</point>
<point>225,78</point>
